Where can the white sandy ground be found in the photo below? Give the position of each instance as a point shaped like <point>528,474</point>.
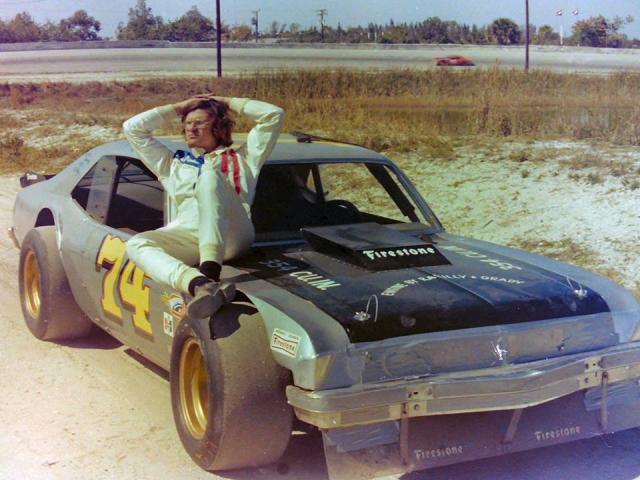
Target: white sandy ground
<point>91,410</point>
<point>476,195</point>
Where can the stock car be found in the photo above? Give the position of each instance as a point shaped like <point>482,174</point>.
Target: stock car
<point>454,61</point>
<point>408,347</point>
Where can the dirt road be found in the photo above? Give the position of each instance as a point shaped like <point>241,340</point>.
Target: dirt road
<point>92,409</point>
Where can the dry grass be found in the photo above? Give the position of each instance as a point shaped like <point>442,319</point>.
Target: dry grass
<point>395,111</point>
<point>567,250</point>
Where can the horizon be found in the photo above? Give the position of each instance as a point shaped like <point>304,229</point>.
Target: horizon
<point>468,12</point>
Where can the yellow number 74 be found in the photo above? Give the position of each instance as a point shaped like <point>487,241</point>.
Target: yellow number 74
<point>130,279</point>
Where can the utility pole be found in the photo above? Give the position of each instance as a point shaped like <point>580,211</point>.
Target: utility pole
<point>321,13</point>
<point>218,38</point>
<point>526,36</point>
<point>254,21</point>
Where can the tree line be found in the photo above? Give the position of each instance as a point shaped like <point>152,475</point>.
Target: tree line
<point>142,24</point>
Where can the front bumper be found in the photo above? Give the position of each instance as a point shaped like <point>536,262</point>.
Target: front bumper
<point>508,387</point>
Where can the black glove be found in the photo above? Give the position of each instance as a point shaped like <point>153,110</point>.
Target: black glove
<point>211,270</point>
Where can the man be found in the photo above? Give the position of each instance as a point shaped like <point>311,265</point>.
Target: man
<point>210,190</point>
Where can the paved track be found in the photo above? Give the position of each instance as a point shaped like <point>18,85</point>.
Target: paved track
<point>129,63</point>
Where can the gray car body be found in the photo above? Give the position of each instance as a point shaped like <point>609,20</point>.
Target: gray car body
<point>339,385</point>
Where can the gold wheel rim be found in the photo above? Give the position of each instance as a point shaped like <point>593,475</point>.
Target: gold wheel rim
<point>194,395</point>
<point>31,284</point>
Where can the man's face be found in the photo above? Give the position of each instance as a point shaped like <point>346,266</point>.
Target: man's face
<point>197,130</point>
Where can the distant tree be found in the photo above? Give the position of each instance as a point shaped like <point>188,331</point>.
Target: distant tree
<point>274,28</point>
<point>191,27</point>
<point>240,33</point>
<point>79,26</point>
<point>141,24</point>
<point>434,30</point>
<point>6,34</point>
<point>294,28</point>
<point>355,35</point>
<point>546,36</point>
<point>600,31</point>
<point>24,29</point>
<point>505,31</point>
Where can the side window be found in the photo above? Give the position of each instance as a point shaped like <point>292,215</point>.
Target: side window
<point>138,199</point>
<point>94,189</point>
<point>122,193</point>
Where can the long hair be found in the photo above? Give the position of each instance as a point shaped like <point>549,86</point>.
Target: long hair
<point>223,122</point>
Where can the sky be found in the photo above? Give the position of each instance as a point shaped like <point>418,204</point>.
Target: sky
<point>349,12</point>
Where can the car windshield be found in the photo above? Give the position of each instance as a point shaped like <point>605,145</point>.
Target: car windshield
<point>293,196</point>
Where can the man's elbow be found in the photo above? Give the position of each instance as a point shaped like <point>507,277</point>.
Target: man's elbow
<point>127,128</point>
<point>278,115</point>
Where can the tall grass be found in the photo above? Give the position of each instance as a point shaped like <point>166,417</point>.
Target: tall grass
<point>385,110</point>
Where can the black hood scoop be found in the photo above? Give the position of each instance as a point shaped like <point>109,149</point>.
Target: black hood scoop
<point>373,246</point>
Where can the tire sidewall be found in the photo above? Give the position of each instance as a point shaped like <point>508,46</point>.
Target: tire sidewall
<point>33,243</point>
<point>203,451</point>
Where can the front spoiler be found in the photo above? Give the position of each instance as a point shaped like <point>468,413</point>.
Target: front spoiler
<point>508,387</point>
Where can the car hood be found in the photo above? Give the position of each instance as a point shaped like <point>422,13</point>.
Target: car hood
<point>393,293</point>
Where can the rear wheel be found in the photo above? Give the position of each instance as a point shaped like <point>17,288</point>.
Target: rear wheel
<point>228,394</point>
<point>48,306</point>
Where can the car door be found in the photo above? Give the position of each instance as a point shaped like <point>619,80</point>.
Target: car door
<point>116,199</point>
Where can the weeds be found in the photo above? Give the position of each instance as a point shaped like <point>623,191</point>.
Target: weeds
<point>395,111</point>
<point>594,178</point>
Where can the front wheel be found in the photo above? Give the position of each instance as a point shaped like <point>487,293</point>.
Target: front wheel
<point>228,394</point>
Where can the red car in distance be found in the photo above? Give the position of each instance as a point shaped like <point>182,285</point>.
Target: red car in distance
<point>453,61</point>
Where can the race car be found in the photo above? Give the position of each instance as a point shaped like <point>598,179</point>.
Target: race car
<point>409,347</point>
<point>454,61</point>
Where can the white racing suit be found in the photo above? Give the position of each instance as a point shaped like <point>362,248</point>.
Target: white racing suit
<point>211,194</point>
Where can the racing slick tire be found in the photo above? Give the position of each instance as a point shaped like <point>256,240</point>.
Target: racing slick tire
<point>48,306</point>
<point>228,394</point>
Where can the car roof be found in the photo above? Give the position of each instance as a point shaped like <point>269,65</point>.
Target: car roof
<point>288,149</point>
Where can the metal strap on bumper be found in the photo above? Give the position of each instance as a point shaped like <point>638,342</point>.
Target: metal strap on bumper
<point>502,388</point>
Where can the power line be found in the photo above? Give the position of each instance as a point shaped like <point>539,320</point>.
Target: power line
<point>22,2</point>
<point>321,13</point>
<point>254,21</point>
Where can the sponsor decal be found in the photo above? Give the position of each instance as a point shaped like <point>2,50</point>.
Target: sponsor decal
<point>310,278</point>
<point>400,257</point>
<point>438,452</point>
<point>168,323</point>
<point>541,436</point>
<point>397,252</point>
<point>481,257</point>
<point>396,287</point>
<point>315,280</point>
<point>285,342</point>
<point>175,303</point>
<point>279,265</point>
